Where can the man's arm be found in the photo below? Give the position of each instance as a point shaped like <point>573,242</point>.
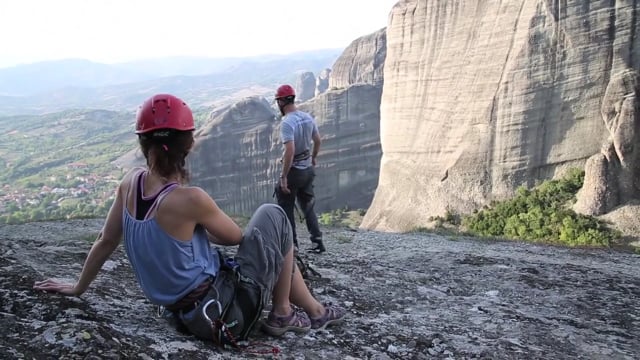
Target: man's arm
<point>317,141</point>
<point>287,138</point>
<point>287,158</point>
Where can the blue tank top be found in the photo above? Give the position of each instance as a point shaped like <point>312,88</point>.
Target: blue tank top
<point>166,268</point>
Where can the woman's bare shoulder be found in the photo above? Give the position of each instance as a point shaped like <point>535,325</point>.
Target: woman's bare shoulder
<point>192,193</point>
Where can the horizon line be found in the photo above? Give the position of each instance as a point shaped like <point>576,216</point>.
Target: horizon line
<point>156,58</point>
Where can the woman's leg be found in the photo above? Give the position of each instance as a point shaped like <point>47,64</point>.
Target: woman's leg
<point>301,296</point>
<point>266,256</point>
<point>282,289</point>
<point>266,242</point>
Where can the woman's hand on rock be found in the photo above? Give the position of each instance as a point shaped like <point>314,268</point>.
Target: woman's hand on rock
<point>52,285</point>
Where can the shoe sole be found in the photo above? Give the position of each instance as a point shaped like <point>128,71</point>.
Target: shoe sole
<point>279,331</point>
<point>330,322</point>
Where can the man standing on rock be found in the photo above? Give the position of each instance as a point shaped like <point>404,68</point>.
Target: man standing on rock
<point>297,132</point>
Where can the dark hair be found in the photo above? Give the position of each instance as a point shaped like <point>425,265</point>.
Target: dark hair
<point>169,148</point>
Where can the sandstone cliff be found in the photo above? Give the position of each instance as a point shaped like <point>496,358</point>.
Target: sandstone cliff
<point>361,62</point>
<point>612,177</point>
<point>348,116</point>
<point>322,81</point>
<point>236,156</point>
<point>349,160</point>
<point>482,97</point>
<point>305,86</point>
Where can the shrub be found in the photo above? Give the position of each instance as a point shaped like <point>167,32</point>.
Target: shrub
<point>542,214</point>
<point>326,219</point>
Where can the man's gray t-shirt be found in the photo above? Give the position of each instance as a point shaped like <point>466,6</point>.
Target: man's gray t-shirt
<point>299,127</point>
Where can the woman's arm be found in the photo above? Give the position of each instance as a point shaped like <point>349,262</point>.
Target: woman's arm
<point>222,230</point>
<point>102,248</point>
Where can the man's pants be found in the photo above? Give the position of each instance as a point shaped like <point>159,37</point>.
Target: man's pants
<point>300,183</point>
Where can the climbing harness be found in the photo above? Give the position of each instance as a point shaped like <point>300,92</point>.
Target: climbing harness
<point>226,339</point>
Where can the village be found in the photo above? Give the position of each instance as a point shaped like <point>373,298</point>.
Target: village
<point>78,192</point>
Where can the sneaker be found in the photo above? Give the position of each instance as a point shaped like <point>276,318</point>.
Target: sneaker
<point>333,314</point>
<point>298,322</point>
<point>318,248</point>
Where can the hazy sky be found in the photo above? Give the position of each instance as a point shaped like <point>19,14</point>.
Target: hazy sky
<point>121,30</point>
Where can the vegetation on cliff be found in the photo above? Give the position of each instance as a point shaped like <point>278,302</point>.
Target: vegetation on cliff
<point>542,214</point>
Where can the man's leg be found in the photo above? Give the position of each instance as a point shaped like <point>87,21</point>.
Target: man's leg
<point>306,198</point>
<point>287,202</point>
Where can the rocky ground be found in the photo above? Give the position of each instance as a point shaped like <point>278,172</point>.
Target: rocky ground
<point>410,296</point>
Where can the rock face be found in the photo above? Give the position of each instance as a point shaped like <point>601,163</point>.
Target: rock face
<point>612,177</point>
<point>235,156</point>
<point>322,82</point>
<point>305,86</point>
<point>459,299</point>
<point>482,97</point>
<point>361,62</point>
<point>349,159</point>
<point>348,116</point>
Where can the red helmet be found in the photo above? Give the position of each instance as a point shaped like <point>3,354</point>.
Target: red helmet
<point>164,111</point>
<point>285,91</point>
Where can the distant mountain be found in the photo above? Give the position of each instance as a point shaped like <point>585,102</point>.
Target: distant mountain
<point>227,83</point>
<point>192,66</point>
<point>46,76</point>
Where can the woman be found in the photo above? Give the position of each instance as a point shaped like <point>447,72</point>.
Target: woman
<point>167,229</point>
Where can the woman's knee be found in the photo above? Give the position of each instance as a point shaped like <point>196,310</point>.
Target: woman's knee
<point>270,207</point>
<point>282,233</point>
<point>270,210</point>
<point>269,218</point>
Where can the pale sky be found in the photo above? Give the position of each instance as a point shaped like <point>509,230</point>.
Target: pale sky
<point>123,30</point>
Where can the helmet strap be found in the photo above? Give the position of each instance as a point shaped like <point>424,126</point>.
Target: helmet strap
<point>283,102</point>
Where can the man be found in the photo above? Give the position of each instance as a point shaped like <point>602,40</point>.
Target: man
<point>297,132</point>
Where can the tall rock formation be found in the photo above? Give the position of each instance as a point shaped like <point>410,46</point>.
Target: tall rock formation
<point>305,86</point>
<point>349,159</point>
<point>361,62</point>
<point>482,97</point>
<point>612,177</point>
<point>348,116</point>
<point>322,81</point>
<point>234,158</point>
<point>236,155</point>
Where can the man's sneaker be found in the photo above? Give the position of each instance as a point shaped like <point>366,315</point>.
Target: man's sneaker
<point>333,314</point>
<point>298,321</point>
<point>318,248</point>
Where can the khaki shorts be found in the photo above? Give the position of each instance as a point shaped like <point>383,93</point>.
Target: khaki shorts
<point>266,240</point>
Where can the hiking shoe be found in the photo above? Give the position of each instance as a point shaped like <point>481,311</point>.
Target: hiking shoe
<point>333,314</point>
<point>318,248</point>
<point>298,322</point>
